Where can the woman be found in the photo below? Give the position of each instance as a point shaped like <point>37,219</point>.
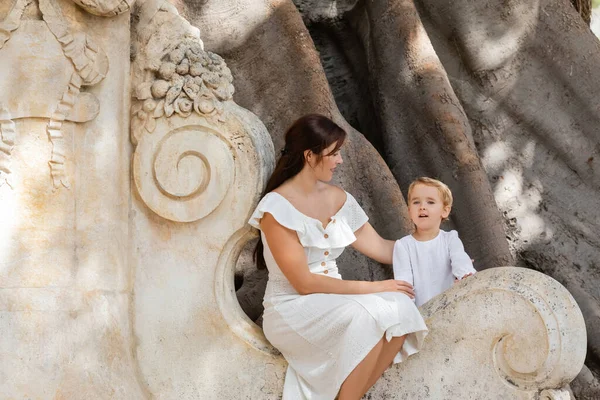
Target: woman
<point>337,336</point>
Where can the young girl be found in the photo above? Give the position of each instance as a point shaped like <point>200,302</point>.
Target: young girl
<point>431,259</point>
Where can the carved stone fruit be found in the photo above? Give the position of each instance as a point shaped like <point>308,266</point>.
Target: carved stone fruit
<point>167,69</point>
<point>177,55</point>
<point>183,68</point>
<point>196,69</point>
<point>206,106</point>
<point>159,89</point>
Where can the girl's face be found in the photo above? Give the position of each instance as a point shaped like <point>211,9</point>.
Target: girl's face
<point>426,208</point>
<point>326,167</point>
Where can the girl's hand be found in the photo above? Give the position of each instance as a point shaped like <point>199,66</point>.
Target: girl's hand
<point>392,285</point>
<point>456,280</point>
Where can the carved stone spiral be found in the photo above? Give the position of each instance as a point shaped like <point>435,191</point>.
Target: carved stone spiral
<point>528,361</point>
<point>555,394</point>
<point>184,175</point>
<point>514,332</point>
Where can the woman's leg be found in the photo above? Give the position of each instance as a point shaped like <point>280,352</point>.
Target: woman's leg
<point>386,357</point>
<point>353,387</point>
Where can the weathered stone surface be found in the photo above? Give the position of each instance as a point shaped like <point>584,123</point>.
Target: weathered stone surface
<point>200,164</point>
<point>64,270</point>
<point>78,236</point>
<point>505,333</point>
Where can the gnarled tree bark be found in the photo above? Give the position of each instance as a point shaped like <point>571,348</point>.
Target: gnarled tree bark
<point>500,99</point>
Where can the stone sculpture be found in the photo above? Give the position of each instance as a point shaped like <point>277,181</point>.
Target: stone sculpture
<point>116,275</point>
<point>172,82</point>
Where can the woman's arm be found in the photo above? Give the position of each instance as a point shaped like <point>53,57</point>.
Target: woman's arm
<point>402,269</point>
<point>372,245</point>
<point>291,259</point>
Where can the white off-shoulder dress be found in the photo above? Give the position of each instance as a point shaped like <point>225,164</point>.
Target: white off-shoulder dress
<point>324,337</point>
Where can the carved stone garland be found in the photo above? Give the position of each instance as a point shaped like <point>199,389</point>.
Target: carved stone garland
<point>7,141</point>
<point>90,66</point>
<point>188,80</point>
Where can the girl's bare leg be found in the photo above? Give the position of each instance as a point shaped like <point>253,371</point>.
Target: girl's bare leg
<point>386,357</point>
<point>353,387</point>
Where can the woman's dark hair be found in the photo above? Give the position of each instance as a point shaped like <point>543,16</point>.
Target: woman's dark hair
<point>312,132</point>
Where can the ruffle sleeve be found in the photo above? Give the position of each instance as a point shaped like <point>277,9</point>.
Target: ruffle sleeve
<point>281,210</point>
<point>353,213</point>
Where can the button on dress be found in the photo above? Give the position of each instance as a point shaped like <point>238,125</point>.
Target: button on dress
<point>325,336</point>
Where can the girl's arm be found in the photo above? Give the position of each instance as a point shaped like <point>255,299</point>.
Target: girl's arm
<point>372,245</point>
<point>462,266</point>
<point>291,259</point>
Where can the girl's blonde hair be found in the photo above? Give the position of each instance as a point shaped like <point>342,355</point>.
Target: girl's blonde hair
<point>444,190</point>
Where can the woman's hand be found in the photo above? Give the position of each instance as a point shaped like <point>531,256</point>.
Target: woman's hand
<point>392,285</point>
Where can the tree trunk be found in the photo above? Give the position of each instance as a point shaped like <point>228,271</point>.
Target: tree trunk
<point>584,8</point>
<point>278,76</point>
<point>500,99</point>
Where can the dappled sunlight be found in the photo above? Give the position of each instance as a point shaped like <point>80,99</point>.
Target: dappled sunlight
<point>528,154</point>
<point>509,188</point>
<point>522,206</point>
<point>574,143</point>
<point>424,58</point>
<point>526,171</point>
<point>491,45</point>
<point>485,48</point>
<point>519,197</point>
<point>496,155</point>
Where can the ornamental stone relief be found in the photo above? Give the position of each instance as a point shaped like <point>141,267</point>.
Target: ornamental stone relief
<point>183,174</point>
<point>188,80</point>
<point>62,62</point>
<point>185,146</point>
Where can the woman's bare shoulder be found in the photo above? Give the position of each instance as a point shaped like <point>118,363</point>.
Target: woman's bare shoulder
<point>283,190</point>
<point>336,190</point>
<point>336,193</point>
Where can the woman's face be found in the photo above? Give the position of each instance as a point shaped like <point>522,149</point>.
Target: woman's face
<point>326,167</point>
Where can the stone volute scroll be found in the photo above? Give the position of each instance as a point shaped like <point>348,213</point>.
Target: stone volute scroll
<point>181,123</point>
<point>505,333</point>
<point>199,166</point>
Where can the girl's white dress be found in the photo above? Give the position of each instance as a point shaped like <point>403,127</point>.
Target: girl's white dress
<point>323,337</point>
